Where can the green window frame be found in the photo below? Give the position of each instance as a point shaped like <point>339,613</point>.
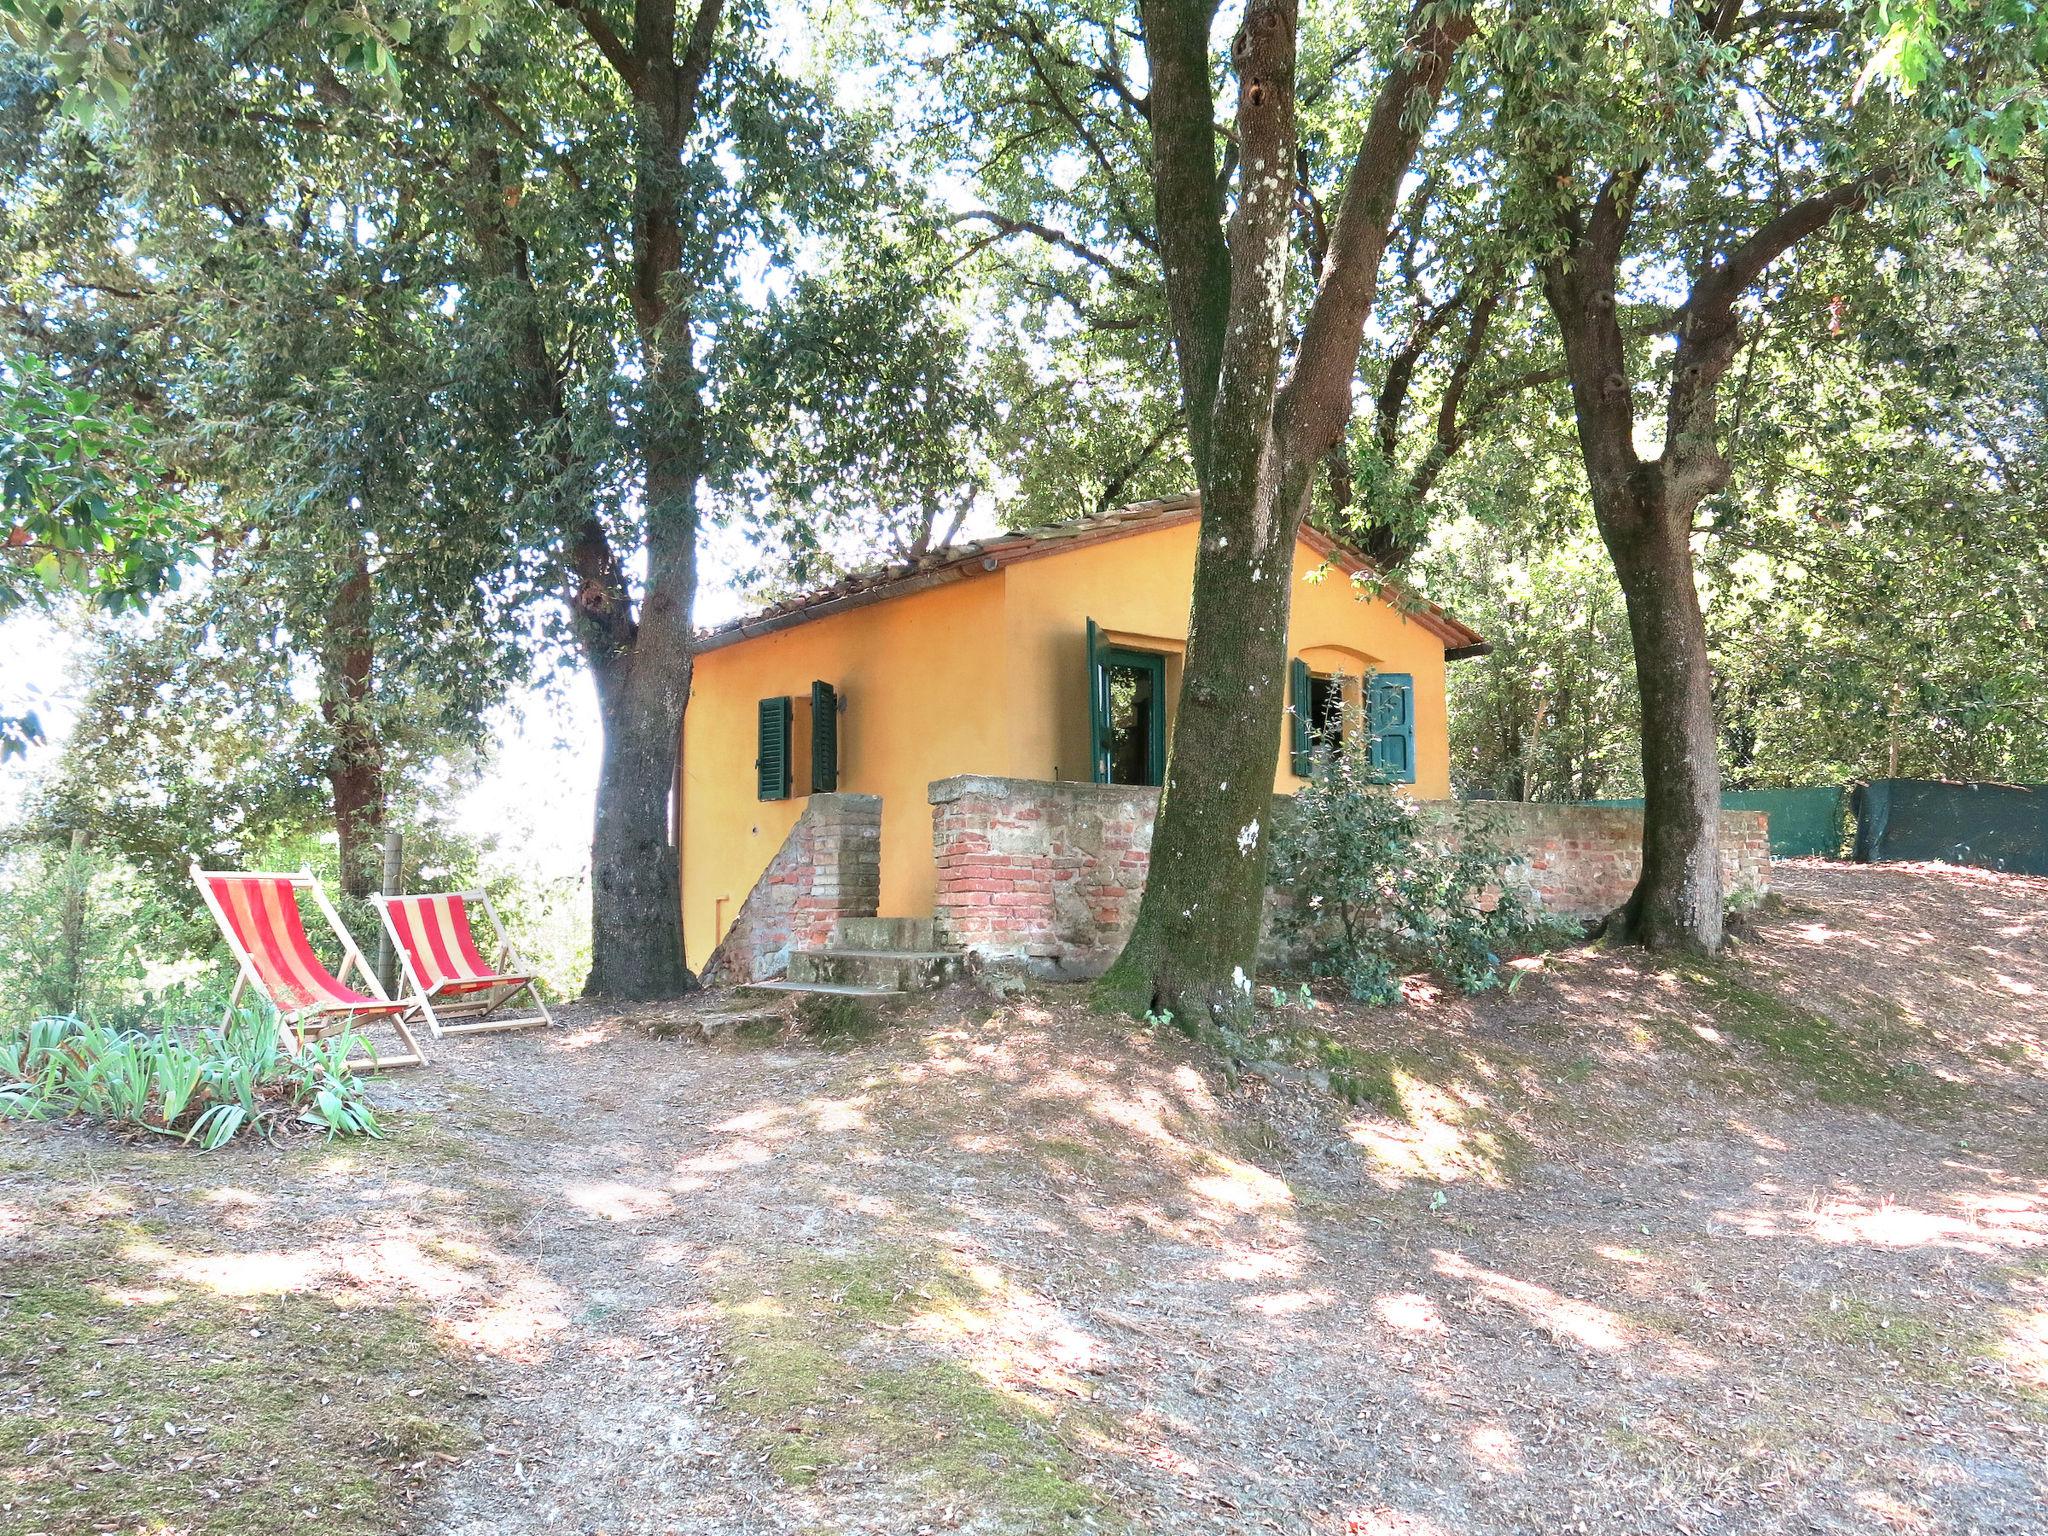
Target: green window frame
<point>1102,660</point>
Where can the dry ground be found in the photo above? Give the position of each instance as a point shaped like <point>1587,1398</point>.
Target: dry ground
<point>1762,1247</point>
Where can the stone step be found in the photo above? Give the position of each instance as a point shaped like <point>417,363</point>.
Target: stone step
<point>899,970</point>
<point>821,989</point>
<point>914,934</point>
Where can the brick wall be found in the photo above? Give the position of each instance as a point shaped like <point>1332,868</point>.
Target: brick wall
<point>828,868</point>
<point>1041,872</point>
<point>1050,874</point>
<point>1582,860</point>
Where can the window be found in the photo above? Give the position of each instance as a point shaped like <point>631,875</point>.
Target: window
<point>1317,711</point>
<point>1127,713</point>
<point>775,750</point>
<point>1326,710</point>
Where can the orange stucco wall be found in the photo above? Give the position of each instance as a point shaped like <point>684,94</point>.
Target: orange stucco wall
<point>984,675</point>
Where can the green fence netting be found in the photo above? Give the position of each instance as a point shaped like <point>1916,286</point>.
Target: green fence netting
<point>1993,826</point>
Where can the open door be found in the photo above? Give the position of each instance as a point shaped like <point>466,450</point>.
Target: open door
<point>1126,713</point>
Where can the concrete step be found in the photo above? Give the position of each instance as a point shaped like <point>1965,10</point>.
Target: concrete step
<point>913,934</point>
<point>821,989</point>
<point>900,970</point>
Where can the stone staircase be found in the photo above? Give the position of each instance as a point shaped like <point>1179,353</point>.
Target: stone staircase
<point>869,957</point>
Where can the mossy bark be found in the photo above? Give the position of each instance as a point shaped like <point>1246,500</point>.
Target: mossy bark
<point>1257,443</point>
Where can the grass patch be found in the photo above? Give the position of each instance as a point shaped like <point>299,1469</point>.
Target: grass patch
<point>1860,1325</point>
<point>833,1020</point>
<point>141,1406</point>
<point>1865,1066</point>
<point>820,1361</point>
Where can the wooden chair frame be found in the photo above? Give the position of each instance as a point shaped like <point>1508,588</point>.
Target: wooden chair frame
<point>468,1012</point>
<point>314,1021</point>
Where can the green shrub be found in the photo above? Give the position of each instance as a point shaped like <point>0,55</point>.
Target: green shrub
<point>197,1086</point>
<point>86,933</point>
<point>1373,883</point>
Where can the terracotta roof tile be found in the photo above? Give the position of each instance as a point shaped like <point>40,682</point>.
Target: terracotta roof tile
<point>958,561</point>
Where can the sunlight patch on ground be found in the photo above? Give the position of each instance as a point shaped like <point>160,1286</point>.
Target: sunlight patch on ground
<point>2024,1349</point>
<point>613,1201</point>
<point>1992,1224</point>
<point>1429,1138</point>
<point>1562,1317</point>
<point>1391,1522</point>
<point>1288,1303</point>
<point>1411,1314</point>
<point>1496,1449</point>
<point>560,1042</point>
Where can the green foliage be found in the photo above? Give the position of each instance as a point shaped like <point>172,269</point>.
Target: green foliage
<point>1371,882</point>
<point>1550,713</point>
<point>197,1086</point>
<point>84,504</point>
<point>89,933</point>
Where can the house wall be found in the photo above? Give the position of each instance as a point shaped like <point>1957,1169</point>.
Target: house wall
<point>1137,588</point>
<point>1049,875</point>
<point>985,674</point>
<point>925,694</point>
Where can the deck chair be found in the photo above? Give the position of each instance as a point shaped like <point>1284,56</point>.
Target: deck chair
<point>259,917</point>
<point>457,990</point>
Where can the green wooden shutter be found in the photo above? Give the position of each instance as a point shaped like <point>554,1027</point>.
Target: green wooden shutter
<point>1390,712</point>
<point>1098,708</point>
<point>1301,743</point>
<point>824,739</point>
<point>771,762</point>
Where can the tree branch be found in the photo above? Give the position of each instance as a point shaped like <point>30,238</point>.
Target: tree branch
<point>1316,400</point>
<point>1121,276</point>
<point>600,32</point>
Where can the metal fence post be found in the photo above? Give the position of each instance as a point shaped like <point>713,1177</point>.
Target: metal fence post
<point>394,885</point>
<point>73,923</point>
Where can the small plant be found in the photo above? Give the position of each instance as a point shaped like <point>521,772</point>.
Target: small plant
<point>1373,882</point>
<point>204,1090</point>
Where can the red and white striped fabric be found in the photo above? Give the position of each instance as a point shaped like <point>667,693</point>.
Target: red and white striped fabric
<point>263,913</point>
<point>435,932</point>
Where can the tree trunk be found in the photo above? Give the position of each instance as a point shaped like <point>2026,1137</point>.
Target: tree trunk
<point>1197,935</point>
<point>1257,445</point>
<point>1676,904</point>
<point>636,942</point>
<point>355,763</point>
<point>641,660</point>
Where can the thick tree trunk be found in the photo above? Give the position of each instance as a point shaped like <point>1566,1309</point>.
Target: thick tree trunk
<point>1257,444</point>
<point>636,939</point>
<point>355,763</point>
<point>1676,904</point>
<point>1197,936</point>
<point>642,660</point>
<point>636,942</point>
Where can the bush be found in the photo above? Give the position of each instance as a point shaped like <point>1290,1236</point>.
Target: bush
<point>85,933</point>
<point>207,1088</point>
<point>1373,883</point>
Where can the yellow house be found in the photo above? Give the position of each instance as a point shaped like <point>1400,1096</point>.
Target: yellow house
<point>1050,654</point>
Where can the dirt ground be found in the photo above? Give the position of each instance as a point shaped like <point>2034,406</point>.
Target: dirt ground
<point>1759,1247</point>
